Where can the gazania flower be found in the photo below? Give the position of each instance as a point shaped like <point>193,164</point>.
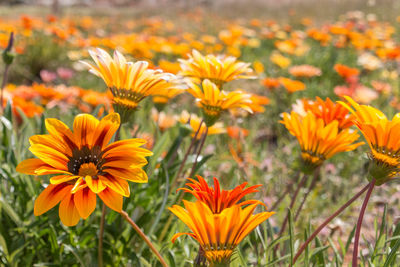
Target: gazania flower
<point>345,71</point>
<point>307,71</point>
<point>319,141</point>
<point>282,61</point>
<point>383,137</point>
<point>129,82</point>
<point>163,120</point>
<point>218,234</point>
<point>330,111</point>
<point>194,122</point>
<point>162,97</point>
<point>85,165</point>
<point>271,83</point>
<point>213,101</point>
<point>219,69</point>
<point>215,198</point>
<point>292,85</point>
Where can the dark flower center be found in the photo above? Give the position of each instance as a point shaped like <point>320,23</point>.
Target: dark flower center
<point>86,161</point>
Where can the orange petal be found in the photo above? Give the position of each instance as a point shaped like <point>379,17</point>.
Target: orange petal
<point>106,129</point>
<point>60,131</point>
<point>112,199</point>
<point>84,128</point>
<point>85,202</point>
<point>29,166</point>
<point>67,211</point>
<point>79,185</point>
<point>181,234</point>
<point>50,197</point>
<point>118,185</point>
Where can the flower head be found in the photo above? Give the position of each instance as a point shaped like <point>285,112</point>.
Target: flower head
<point>319,141</point>
<point>85,165</point>
<point>213,101</point>
<point>305,71</point>
<point>292,85</point>
<point>219,69</point>
<point>383,137</point>
<point>218,234</point>
<point>195,123</point>
<point>215,198</point>
<point>129,82</point>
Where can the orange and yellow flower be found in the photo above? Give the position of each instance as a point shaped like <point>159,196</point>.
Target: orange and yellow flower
<point>319,141</point>
<point>292,85</point>
<point>345,71</point>
<point>383,137</point>
<point>84,165</point>
<point>213,101</point>
<point>219,69</point>
<point>218,234</point>
<point>195,123</point>
<point>129,82</point>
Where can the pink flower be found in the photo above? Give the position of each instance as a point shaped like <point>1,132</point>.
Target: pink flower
<point>47,76</point>
<point>65,73</point>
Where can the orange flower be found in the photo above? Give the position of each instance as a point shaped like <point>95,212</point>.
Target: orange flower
<point>271,83</point>
<point>213,101</point>
<point>319,141</point>
<point>345,71</point>
<point>236,132</point>
<point>307,71</point>
<point>383,137</point>
<point>86,166</point>
<point>217,199</point>
<point>218,234</point>
<point>292,85</point>
<point>257,103</point>
<point>219,69</point>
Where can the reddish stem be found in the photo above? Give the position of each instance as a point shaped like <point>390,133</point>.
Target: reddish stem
<point>359,223</point>
<point>328,220</point>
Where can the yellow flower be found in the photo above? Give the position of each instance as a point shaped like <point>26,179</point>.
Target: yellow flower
<point>318,141</point>
<point>129,82</point>
<point>218,234</point>
<point>213,101</point>
<point>281,61</point>
<point>194,122</point>
<point>383,137</point>
<point>219,69</point>
<point>85,165</point>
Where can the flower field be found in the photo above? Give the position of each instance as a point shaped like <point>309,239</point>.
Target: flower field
<point>199,140</point>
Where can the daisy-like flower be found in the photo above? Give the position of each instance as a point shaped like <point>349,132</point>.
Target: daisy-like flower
<point>84,165</point>
<point>194,122</point>
<point>213,101</point>
<point>319,141</point>
<point>383,137</point>
<point>162,97</point>
<point>218,234</point>
<point>129,82</point>
<point>219,69</point>
<point>330,111</point>
<point>215,198</point>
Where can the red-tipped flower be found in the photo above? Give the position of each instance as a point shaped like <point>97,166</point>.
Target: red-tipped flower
<point>217,199</point>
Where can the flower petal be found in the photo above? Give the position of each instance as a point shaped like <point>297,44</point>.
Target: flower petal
<point>96,185</point>
<point>50,197</point>
<point>112,199</point>
<point>68,212</point>
<point>85,202</point>
<point>106,129</point>
<point>84,129</point>
<point>29,166</point>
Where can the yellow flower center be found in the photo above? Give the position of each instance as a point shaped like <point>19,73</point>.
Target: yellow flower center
<point>88,169</point>
<point>389,158</point>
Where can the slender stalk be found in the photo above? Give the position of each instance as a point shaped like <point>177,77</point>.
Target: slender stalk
<point>101,234</point>
<point>299,186</point>
<point>279,200</point>
<point>328,220</point>
<point>7,59</point>
<point>187,154</point>
<point>3,84</point>
<point>359,223</point>
<point>144,237</point>
<point>203,140</point>
<point>310,188</point>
